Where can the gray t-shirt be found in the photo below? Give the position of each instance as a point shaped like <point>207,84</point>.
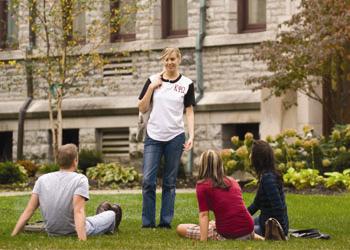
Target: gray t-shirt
<point>56,191</point>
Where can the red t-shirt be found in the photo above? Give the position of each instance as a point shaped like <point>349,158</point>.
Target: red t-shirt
<point>231,215</point>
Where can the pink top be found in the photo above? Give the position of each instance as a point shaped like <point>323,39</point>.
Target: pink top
<point>231,215</point>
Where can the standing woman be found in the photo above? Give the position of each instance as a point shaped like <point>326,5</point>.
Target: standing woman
<point>168,94</point>
<point>269,199</point>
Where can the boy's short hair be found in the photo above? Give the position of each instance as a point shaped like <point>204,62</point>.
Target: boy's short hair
<point>66,155</point>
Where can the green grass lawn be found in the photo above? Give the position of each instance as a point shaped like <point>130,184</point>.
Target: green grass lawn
<point>330,214</point>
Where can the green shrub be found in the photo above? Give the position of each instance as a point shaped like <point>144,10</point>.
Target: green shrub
<point>112,174</point>
<point>237,158</point>
<point>11,172</point>
<point>48,168</point>
<point>305,178</point>
<point>30,166</point>
<point>89,158</point>
<point>299,151</point>
<point>336,180</point>
<point>340,162</point>
<point>336,149</point>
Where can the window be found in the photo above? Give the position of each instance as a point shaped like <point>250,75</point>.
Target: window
<point>8,25</point>
<point>251,15</point>
<point>174,18</point>
<point>6,146</point>
<point>123,20</point>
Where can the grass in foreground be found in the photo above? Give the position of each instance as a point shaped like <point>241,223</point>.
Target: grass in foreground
<point>330,214</point>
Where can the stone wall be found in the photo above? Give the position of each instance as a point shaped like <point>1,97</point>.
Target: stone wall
<point>227,68</point>
<point>226,65</point>
<point>12,82</point>
<point>224,68</point>
<point>36,145</point>
<point>87,138</point>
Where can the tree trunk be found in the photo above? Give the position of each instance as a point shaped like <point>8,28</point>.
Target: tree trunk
<point>336,92</point>
<point>53,129</point>
<point>59,118</point>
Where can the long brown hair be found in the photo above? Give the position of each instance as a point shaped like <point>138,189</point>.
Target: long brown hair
<point>211,167</point>
<point>263,159</point>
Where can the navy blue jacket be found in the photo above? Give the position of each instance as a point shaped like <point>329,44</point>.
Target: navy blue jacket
<point>270,200</point>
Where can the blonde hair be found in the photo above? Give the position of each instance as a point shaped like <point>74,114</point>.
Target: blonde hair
<point>211,167</point>
<point>66,155</point>
<point>167,51</point>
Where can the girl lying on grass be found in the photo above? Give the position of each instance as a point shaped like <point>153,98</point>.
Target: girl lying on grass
<point>223,196</point>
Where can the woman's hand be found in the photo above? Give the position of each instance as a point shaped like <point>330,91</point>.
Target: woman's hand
<point>190,123</point>
<point>158,82</point>
<point>189,144</point>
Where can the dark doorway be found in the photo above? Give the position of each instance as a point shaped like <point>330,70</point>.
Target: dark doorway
<point>6,146</point>
<point>239,129</point>
<point>70,136</point>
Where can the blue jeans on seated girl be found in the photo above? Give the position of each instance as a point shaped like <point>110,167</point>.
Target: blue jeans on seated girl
<point>153,151</point>
<point>257,228</point>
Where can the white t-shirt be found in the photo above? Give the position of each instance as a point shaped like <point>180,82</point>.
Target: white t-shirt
<point>168,103</point>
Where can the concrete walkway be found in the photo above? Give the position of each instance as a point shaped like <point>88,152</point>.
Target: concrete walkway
<point>106,192</point>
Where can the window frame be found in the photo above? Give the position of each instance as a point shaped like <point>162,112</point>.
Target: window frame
<point>67,21</point>
<point>243,15</point>
<point>4,43</point>
<point>116,36</point>
<point>3,24</point>
<point>33,14</point>
<point>166,19</point>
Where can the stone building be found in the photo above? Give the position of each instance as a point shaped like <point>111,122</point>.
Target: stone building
<point>101,111</point>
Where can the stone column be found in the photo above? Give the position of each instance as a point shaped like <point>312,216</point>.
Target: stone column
<point>230,23</point>
<point>271,115</point>
<point>23,26</point>
<point>98,15</point>
<point>148,20</point>
<point>87,138</point>
<point>309,112</point>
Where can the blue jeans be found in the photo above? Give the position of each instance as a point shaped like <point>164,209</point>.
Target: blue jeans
<point>257,227</point>
<point>100,223</point>
<point>153,152</point>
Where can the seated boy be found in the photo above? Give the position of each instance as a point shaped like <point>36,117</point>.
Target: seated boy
<point>62,195</point>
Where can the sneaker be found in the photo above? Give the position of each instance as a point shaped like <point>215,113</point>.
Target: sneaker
<point>165,226</point>
<point>118,215</point>
<point>104,206</point>
<point>273,230</point>
<point>148,226</point>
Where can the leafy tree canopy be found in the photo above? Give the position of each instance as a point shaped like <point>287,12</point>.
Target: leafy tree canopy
<point>310,49</point>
